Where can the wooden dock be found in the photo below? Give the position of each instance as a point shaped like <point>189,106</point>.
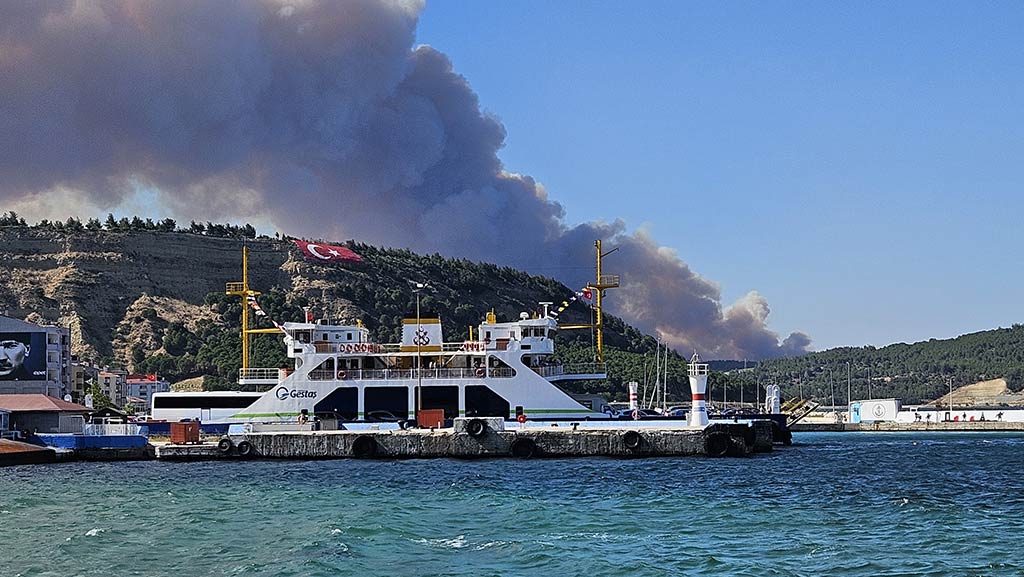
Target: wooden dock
<point>717,440</point>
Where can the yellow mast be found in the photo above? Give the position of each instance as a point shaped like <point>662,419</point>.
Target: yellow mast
<point>604,281</point>
<point>241,289</point>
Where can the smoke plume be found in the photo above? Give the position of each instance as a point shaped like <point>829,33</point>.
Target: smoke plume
<point>322,118</point>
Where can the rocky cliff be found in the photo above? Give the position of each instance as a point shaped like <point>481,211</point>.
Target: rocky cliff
<point>120,291</point>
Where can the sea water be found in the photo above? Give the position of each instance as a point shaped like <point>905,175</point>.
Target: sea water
<point>832,504</point>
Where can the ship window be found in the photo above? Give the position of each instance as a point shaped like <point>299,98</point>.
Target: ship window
<point>204,402</point>
<point>394,400</point>
<point>481,401</point>
<point>343,402</point>
<point>324,372</point>
<point>446,398</point>
<point>348,336</point>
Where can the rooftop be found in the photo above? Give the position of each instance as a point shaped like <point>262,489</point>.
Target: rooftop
<point>39,403</point>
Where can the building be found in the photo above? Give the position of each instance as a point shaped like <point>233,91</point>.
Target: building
<point>142,387</point>
<point>43,414</point>
<point>113,384</point>
<point>5,422</point>
<point>34,359</point>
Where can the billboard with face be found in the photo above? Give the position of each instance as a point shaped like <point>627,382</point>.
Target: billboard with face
<point>22,356</point>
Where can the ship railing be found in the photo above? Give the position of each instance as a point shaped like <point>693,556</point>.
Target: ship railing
<point>410,374</point>
<point>263,374</point>
<point>570,369</point>
<point>391,348</point>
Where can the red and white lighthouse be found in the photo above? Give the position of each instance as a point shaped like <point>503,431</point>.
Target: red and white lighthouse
<point>698,391</point>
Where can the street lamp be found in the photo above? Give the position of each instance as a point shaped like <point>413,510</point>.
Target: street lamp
<point>832,386</point>
<point>849,399</point>
<point>419,352</point>
<point>951,397</point>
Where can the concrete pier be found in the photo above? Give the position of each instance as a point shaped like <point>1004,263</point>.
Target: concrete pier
<point>718,440</point>
<point>944,426</point>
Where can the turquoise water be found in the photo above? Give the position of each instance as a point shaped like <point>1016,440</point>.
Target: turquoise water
<point>853,504</point>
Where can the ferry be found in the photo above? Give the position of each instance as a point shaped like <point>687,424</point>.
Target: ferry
<point>341,375</point>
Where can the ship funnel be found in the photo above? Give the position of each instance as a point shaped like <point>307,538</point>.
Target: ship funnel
<point>698,390</point>
<point>421,335</point>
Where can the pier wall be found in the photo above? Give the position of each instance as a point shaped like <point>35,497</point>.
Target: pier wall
<point>719,440</point>
<point>945,426</point>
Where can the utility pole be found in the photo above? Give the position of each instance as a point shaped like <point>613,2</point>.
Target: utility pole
<point>849,399</point>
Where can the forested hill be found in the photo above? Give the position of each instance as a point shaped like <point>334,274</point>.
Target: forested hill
<point>917,372</point>
<point>149,296</point>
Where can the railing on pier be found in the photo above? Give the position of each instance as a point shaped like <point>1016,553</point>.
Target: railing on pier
<point>112,429</point>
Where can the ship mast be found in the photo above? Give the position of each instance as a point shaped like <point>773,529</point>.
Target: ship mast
<point>604,281</point>
<point>241,289</point>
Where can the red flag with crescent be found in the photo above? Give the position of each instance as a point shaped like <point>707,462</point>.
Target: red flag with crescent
<point>326,253</point>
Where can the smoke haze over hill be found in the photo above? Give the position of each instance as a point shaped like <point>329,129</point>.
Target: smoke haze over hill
<point>324,119</point>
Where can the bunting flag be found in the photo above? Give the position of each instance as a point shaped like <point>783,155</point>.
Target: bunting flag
<point>585,293</point>
<point>255,306</point>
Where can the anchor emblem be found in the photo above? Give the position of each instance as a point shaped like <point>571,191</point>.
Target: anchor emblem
<point>421,338</point>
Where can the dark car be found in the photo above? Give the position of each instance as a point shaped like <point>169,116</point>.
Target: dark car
<point>381,416</point>
<point>627,415</point>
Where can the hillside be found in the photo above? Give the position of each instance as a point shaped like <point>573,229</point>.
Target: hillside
<point>153,300</point>
<point>918,372</point>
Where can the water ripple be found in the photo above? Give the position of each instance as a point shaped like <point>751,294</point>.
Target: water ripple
<point>855,504</point>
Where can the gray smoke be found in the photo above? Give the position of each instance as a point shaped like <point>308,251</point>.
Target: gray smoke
<point>322,118</point>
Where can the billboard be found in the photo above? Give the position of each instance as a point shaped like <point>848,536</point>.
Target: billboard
<point>22,356</point>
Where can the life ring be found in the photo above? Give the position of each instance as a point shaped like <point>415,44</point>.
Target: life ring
<point>225,445</point>
<point>480,372</point>
<point>476,427</point>
<point>521,417</point>
<point>717,444</point>
<point>362,347</point>
<point>522,448</point>
<point>244,449</point>
<point>364,447</point>
<point>632,440</point>
<point>342,375</point>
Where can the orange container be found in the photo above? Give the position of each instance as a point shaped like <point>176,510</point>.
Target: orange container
<point>430,418</point>
<point>182,433</point>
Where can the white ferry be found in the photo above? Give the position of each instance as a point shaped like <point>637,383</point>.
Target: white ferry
<point>340,373</point>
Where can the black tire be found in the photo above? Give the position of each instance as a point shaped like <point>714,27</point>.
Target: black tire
<point>476,427</point>
<point>523,448</point>
<point>225,445</point>
<point>244,449</point>
<point>364,447</point>
<point>632,440</point>
<point>717,444</point>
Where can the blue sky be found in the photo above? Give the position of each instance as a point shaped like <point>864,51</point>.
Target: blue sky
<point>858,164</point>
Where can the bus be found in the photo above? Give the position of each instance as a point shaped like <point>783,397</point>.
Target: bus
<point>205,407</point>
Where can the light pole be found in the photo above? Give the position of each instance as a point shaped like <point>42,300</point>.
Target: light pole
<point>849,399</point>
<point>950,397</point>
<point>869,382</point>
<point>832,387</point>
<point>419,352</point>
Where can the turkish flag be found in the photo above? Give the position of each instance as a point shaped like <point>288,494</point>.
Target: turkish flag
<point>326,253</point>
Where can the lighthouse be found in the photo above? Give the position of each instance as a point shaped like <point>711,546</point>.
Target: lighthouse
<point>698,389</point>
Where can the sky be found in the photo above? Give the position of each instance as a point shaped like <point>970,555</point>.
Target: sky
<point>859,165</point>
<point>779,177</point>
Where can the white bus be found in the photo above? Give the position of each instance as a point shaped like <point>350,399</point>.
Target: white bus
<point>207,407</point>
